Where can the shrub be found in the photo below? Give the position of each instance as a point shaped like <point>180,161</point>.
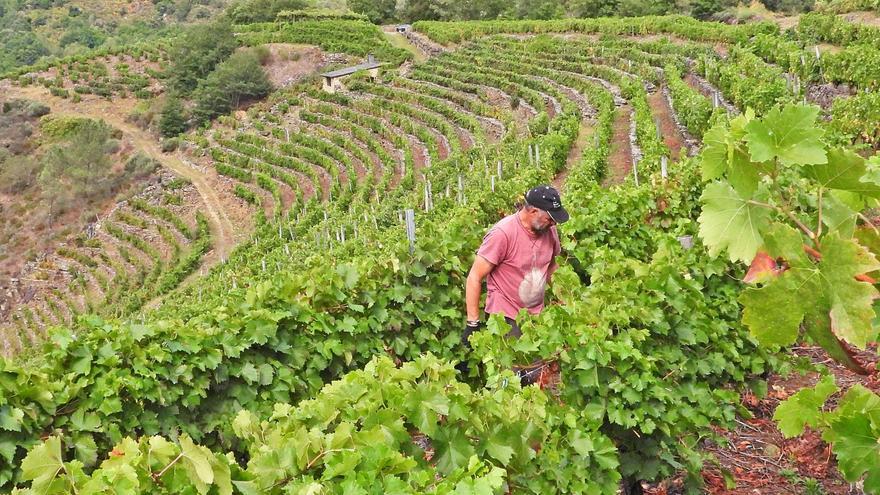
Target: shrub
<point>173,119</point>
<point>239,78</point>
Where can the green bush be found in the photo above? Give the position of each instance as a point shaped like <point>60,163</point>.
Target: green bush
<point>237,79</point>
<point>195,54</point>
<point>173,119</point>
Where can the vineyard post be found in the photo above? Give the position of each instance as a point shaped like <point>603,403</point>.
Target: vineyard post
<point>287,250</point>
<point>686,241</point>
<point>460,189</point>
<point>537,155</point>
<point>492,182</point>
<point>411,229</point>
<point>499,170</point>
<point>636,172</point>
<point>663,171</point>
<point>263,264</point>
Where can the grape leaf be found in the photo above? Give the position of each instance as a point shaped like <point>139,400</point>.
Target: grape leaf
<point>43,465</point>
<point>837,216</point>
<point>714,156</point>
<point>762,269</point>
<point>845,171</point>
<point>809,291</point>
<point>10,418</point>
<point>789,134</point>
<point>720,143</point>
<point>803,408</point>
<point>196,462</point>
<point>452,449</point>
<point>498,450</point>
<point>729,221</point>
<point>855,434</point>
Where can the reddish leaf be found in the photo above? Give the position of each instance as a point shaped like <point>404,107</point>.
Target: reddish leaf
<point>763,268</point>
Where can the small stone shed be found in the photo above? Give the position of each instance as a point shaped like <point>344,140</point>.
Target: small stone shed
<point>333,80</point>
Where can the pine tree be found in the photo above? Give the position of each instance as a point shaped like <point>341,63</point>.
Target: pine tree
<point>173,121</point>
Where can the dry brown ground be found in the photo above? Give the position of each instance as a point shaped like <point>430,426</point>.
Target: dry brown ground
<point>620,156</point>
<point>756,457</point>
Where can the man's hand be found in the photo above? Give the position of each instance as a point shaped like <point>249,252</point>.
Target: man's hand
<point>470,327</point>
<point>473,286</point>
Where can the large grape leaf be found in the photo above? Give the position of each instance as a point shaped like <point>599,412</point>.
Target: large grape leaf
<point>822,295</point>
<point>837,216</point>
<point>854,433</point>
<point>43,465</point>
<point>845,171</point>
<point>803,408</point>
<point>789,134</point>
<point>719,143</point>
<point>729,221</point>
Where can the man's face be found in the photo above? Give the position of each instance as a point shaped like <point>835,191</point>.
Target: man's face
<point>539,220</point>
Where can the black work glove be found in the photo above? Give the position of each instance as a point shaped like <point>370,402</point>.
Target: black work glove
<point>469,328</point>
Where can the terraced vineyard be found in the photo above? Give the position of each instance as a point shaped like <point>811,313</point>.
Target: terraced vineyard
<point>318,357</point>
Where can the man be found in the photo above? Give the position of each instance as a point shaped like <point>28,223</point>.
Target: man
<point>517,256</point>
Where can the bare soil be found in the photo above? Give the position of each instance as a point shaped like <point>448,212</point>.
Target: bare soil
<point>672,136</point>
<point>289,63</point>
<point>759,459</point>
<point>620,158</point>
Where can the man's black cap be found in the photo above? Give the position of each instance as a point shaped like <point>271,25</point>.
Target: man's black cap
<point>547,198</point>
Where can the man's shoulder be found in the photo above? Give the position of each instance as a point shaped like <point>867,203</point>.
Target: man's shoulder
<point>506,224</point>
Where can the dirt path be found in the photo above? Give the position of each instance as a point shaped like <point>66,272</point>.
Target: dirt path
<point>400,41</point>
<point>574,154</point>
<point>113,113</point>
<point>620,157</point>
<point>672,137</point>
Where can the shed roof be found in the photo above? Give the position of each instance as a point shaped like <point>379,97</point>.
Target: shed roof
<point>351,70</point>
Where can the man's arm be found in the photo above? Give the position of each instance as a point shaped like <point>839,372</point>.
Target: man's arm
<point>552,268</point>
<point>473,287</point>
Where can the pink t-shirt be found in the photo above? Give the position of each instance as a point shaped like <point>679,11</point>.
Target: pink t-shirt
<point>521,268</point>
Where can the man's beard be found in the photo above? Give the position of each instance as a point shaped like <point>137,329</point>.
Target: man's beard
<point>538,228</point>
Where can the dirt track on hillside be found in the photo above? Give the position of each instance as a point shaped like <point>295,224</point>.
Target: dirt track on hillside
<point>113,113</point>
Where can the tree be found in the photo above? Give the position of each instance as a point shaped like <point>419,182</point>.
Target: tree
<point>378,11</point>
<point>422,10</point>
<point>17,173</point>
<point>239,78</point>
<point>704,9</point>
<point>82,34</point>
<point>173,119</point>
<point>78,168</point>
<point>195,54</point>
<point>249,11</point>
